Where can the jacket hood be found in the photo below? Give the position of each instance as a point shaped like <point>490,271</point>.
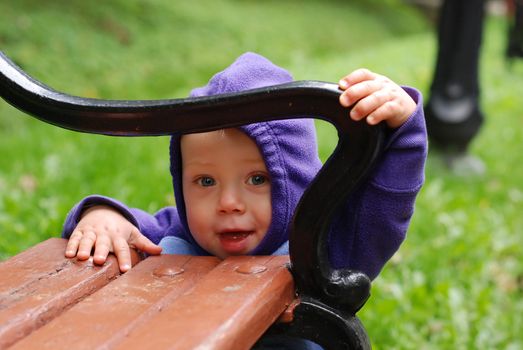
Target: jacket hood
<point>288,147</point>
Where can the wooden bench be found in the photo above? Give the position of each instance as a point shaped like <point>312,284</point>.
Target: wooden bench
<point>50,302</point>
<point>187,302</point>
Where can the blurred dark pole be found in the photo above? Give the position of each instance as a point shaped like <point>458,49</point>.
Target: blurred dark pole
<point>515,34</point>
<point>453,113</point>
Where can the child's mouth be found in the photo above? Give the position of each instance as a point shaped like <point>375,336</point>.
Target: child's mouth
<point>234,242</point>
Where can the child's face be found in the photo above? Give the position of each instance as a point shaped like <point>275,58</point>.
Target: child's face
<point>227,191</point>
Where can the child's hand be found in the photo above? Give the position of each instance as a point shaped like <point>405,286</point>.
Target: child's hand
<point>105,229</point>
<point>376,98</point>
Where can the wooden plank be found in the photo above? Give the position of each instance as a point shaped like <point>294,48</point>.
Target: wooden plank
<point>229,308</point>
<point>40,283</point>
<point>107,316</point>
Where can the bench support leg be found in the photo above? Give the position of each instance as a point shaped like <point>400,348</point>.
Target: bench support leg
<point>325,326</point>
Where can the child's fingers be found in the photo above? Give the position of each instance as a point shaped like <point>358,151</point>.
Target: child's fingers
<point>386,112</point>
<point>394,106</point>
<point>358,91</point>
<point>356,77</point>
<point>102,249</point>
<point>369,104</point>
<point>73,243</point>
<point>139,241</point>
<point>86,244</point>
<point>121,250</point>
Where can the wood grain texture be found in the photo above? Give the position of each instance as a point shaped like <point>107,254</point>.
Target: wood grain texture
<point>227,309</point>
<point>104,318</point>
<point>40,283</point>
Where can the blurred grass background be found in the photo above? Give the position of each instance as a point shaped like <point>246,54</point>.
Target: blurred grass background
<point>457,281</point>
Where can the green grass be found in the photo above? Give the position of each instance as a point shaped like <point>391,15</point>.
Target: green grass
<point>457,281</point>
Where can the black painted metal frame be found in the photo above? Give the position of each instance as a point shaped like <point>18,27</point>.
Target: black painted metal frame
<point>329,297</point>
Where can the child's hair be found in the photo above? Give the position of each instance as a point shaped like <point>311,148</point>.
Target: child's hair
<point>288,147</point>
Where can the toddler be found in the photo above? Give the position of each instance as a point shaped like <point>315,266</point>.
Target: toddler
<point>236,189</point>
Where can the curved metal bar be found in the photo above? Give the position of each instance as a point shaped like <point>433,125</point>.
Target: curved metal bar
<point>165,117</point>
<point>358,148</point>
<point>328,327</point>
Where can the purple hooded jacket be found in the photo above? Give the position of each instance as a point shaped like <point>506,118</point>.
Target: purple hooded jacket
<point>374,220</point>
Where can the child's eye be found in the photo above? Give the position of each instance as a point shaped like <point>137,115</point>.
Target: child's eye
<point>206,181</point>
<point>257,180</point>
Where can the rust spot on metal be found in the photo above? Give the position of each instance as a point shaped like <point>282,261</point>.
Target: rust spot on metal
<point>287,316</point>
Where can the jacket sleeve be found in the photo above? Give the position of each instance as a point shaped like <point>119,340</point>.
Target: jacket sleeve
<point>155,227</point>
<point>375,219</point>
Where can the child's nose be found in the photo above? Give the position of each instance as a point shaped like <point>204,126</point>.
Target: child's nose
<point>231,201</point>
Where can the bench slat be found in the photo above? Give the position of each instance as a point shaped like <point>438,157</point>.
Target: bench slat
<point>168,301</point>
<point>230,308</point>
<point>104,318</point>
<point>40,283</point>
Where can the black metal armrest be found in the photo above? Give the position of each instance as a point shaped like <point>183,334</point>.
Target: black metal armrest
<point>358,148</point>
